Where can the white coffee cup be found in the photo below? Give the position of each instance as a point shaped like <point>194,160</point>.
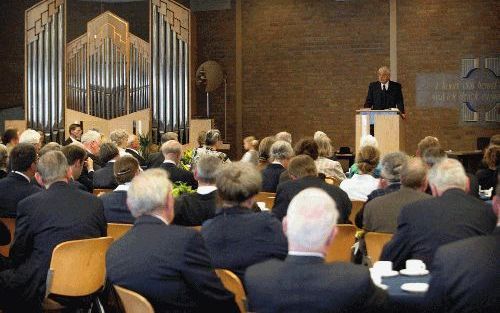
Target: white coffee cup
<point>261,205</point>
<point>416,266</point>
<point>383,267</point>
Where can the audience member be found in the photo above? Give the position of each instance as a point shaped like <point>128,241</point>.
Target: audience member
<point>427,143</point>
<point>91,141</point>
<point>153,251</point>
<point>115,203</point>
<point>44,220</point>
<point>75,155</point>
<point>265,152</point>
<point>32,137</point>
<point>488,177</point>
<point>465,273</point>
<point>133,147</point>
<point>10,139</point>
<point>281,153</point>
<point>495,140</point>
<point>75,134</point>
<point>452,215</point>
<point>202,135</point>
<point>285,136</point>
<point>324,164</point>
<point>4,155</point>
<point>305,146</point>
<point>213,142</point>
<point>237,237</point>
<point>156,159</point>
<point>192,209</point>
<point>250,144</point>
<point>172,153</point>
<point>366,140</point>
<point>51,146</point>
<point>17,184</point>
<point>360,185</point>
<point>381,214</point>
<point>303,282</point>
<point>120,138</point>
<point>104,177</point>
<point>304,175</point>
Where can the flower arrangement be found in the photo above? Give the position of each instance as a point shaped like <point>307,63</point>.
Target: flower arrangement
<point>144,142</point>
<point>186,159</point>
<point>181,188</point>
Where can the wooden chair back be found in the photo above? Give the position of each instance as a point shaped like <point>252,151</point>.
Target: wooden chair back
<point>332,180</point>
<point>232,283</point>
<point>340,247</point>
<point>375,242</point>
<point>133,302</point>
<point>116,230</point>
<point>11,225</point>
<point>77,267</point>
<point>99,192</point>
<point>197,228</point>
<point>266,197</point>
<point>356,207</point>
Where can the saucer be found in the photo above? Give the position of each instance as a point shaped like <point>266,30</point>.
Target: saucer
<point>415,287</point>
<point>407,272</point>
<point>382,286</point>
<point>386,274</point>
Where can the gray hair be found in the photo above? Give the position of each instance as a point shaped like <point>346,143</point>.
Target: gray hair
<point>212,137</point>
<point>448,174</point>
<point>52,166</point>
<point>238,182</point>
<point>119,137</point>
<point>384,70</point>
<point>206,168</point>
<point>281,150</point>
<point>392,164</point>
<point>30,136</point>
<point>285,136</point>
<point>368,140</point>
<point>51,146</point>
<point>90,136</point>
<point>312,214</point>
<point>169,136</point>
<point>148,192</point>
<point>171,146</point>
<point>325,148</point>
<point>318,134</point>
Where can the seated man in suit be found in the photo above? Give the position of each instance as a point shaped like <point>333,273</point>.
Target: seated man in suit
<point>33,137</point>
<point>156,159</point>
<point>237,237</point>
<point>115,203</point>
<point>17,184</point>
<point>465,273</point>
<point>281,153</point>
<point>10,138</point>
<point>167,264</point>
<point>305,146</point>
<point>385,94</point>
<point>104,177</point>
<point>192,209</point>
<point>75,155</point>
<point>303,282</point>
<point>304,174</point>
<point>451,215</point>
<point>75,134</point>
<point>44,220</point>
<point>91,142</point>
<point>381,214</point>
<point>172,153</point>
<point>133,147</point>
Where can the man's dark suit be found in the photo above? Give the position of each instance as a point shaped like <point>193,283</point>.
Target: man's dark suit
<point>177,174</point>
<point>426,225</point>
<point>45,219</point>
<point>104,177</point>
<point>169,265</point>
<point>465,276</point>
<point>237,238</point>
<point>155,160</point>
<point>287,190</point>
<point>271,177</point>
<point>86,177</point>
<point>377,99</point>
<point>307,284</point>
<point>4,234</point>
<point>13,189</point>
<point>115,207</point>
<point>194,209</point>
<point>136,155</point>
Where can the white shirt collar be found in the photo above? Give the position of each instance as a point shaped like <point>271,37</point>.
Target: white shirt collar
<point>277,162</point>
<point>170,161</point>
<point>23,175</point>
<point>160,218</point>
<point>122,187</point>
<point>301,253</point>
<point>205,190</point>
<point>386,85</point>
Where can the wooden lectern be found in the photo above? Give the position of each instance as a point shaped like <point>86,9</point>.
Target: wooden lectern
<point>388,129</point>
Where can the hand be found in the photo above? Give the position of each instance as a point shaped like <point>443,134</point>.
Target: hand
<point>90,164</point>
<point>403,116</point>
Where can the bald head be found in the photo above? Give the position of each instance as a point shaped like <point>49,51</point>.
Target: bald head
<point>414,174</point>
<point>172,150</point>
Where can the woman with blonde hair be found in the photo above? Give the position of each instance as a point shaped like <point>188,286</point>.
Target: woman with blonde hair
<point>360,185</point>
<point>251,155</point>
<point>325,165</point>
